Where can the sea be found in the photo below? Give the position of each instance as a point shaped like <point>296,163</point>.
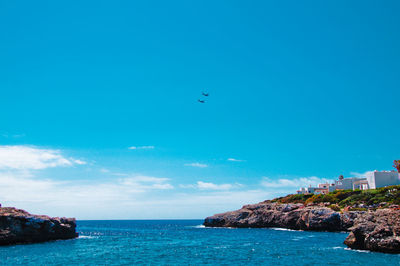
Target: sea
<point>188,242</point>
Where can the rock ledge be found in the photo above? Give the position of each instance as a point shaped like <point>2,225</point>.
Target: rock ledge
<point>19,226</point>
<point>369,230</point>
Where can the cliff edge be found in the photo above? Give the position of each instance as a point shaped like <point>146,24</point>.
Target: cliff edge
<point>19,226</point>
<point>375,230</point>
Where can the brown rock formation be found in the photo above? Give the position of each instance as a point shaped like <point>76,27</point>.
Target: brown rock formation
<point>373,230</point>
<point>292,216</point>
<point>19,226</point>
<point>376,231</point>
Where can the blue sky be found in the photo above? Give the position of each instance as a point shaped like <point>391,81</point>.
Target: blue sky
<point>299,92</point>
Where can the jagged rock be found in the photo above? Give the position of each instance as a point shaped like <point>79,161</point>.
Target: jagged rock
<point>376,231</point>
<point>292,216</point>
<point>373,230</point>
<point>19,226</point>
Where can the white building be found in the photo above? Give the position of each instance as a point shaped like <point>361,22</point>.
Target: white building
<point>321,189</point>
<point>347,183</point>
<point>377,179</point>
<point>302,190</point>
<point>361,184</point>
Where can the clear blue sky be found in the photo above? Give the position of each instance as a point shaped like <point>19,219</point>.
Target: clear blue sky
<point>298,89</point>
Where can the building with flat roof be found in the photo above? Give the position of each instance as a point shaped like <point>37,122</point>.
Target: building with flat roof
<point>377,179</point>
<point>347,183</point>
<point>361,184</point>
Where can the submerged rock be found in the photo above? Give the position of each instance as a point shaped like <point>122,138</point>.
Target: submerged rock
<point>19,226</point>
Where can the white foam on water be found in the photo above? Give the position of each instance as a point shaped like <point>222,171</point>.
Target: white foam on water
<point>221,247</point>
<point>87,237</point>
<point>282,229</point>
<point>199,226</point>
<point>358,250</point>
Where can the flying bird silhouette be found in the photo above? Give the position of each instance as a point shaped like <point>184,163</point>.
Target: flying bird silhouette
<point>205,94</point>
<point>201,101</point>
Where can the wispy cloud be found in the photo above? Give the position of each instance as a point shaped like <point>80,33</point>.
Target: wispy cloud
<point>199,165</point>
<point>360,175</point>
<point>210,186</point>
<point>141,147</point>
<point>134,198</point>
<point>27,157</point>
<point>235,160</point>
<point>80,162</point>
<point>143,183</point>
<point>22,189</point>
<point>104,170</point>
<point>118,195</point>
<point>7,135</point>
<point>285,183</point>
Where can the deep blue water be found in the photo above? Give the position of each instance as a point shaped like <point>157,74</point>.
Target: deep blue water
<point>185,242</point>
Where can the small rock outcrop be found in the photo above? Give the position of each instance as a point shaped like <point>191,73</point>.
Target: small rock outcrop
<point>376,231</point>
<point>19,226</point>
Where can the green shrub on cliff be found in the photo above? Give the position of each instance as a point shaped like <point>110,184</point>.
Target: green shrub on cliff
<point>293,198</point>
<point>334,207</point>
<point>389,195</point>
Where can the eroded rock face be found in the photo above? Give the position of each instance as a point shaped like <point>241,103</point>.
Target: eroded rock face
<point>19,226</point>
<point>292,216</point>
<point>376,231</point>
<point>373,230</point>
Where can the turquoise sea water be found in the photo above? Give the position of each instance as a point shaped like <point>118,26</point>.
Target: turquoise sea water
<point>186,242</point>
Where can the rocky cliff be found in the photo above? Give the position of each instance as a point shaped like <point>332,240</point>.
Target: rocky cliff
<point>19,226</point>
<point>291,216</point>
<point>373,230</point>
<point>376,231</point>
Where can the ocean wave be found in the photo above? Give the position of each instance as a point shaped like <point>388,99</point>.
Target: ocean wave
<point>358,250</point>
<point>87,237</point>
<point>207,227</point>
<point>282,229</point>
<point>198,226</point>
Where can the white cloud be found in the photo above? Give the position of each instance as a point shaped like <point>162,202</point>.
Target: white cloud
<point>24,190</point>
<point>360,175</point>
<point>7,135</point>
<point>210,186</point>
<point>80,162</point>
<point>284,183</point>
<point>118,196</point>
<point>127,197</point>
<point>199,165</point>
<point>235,160</point>
<point>141,147</point>
<point>133,198</point>
<point>144,183</point>
<point>26,157</point>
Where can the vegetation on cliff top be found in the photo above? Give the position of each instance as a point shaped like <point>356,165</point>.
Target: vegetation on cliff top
<point>388,195</point>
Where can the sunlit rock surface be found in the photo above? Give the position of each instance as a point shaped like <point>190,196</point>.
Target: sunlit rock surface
<point>19,226</point>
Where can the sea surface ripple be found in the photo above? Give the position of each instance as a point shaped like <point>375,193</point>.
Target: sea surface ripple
<point>187,242</point>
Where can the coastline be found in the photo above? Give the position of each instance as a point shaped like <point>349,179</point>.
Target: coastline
<point>368,230</point>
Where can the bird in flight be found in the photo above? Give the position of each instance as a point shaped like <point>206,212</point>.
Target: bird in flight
<point>205,94</point>
<point>201,101</point>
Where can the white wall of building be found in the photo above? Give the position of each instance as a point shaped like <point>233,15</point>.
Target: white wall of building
<point>382,179</point>
<point>347,183</point>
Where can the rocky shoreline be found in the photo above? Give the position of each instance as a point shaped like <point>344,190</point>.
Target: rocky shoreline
<point>377,230</point>
<point>18,226</point>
